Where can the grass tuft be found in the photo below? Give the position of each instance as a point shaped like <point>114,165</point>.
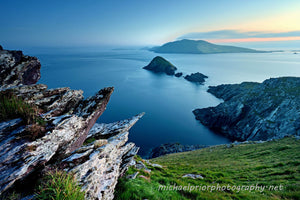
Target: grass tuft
<point>59,185</point>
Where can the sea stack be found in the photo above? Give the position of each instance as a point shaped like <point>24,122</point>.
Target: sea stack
<point>161,65</point>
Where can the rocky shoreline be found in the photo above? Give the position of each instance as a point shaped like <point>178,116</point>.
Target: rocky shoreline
<point>62,141</point>
<point>255,111</point>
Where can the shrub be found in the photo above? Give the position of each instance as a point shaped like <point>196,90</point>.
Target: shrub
<point>59,185</point>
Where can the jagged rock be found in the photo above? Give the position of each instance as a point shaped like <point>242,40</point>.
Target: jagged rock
<point>69,119</point>
<point>108,130</point>
<point>172,148</point>
<point>153,164</point>
<point>196,78</point>
<point>161,65</point>
<point>255,111</point>
<point>98,170</point>
<point>140,165</point>
<point>193,176</point>
<point>17,69</point>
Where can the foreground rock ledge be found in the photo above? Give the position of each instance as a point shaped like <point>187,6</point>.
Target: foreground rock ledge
<point>96,165</point>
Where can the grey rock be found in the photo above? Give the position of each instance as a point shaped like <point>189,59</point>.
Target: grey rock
<point>132,176</point>
<point>17,69</point>
<point>193,176</point>
<point>69,119</point>
<point>140,165</point>
<point>153,164</point>
<point>255,111</point>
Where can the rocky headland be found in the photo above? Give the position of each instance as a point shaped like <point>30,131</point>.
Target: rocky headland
<point>255,111</point>
<point>57,131</point>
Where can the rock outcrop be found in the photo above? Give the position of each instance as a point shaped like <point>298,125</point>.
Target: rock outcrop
<point>161,65</point>
<point>97,154</point>
<point>17,69</point>
<point>196,78</point>
<point>255,111</point>
<point>172,148</point>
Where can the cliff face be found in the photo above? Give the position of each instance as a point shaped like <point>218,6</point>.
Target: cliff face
<point>61,142</point>
<point>18,69</point>
<point>255,111</point>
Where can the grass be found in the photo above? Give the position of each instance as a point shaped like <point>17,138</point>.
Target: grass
<point>275,165</point>
<point>59,185</point>
<point>12,107</point>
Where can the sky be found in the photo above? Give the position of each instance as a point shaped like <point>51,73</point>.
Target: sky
<point>144,23</point>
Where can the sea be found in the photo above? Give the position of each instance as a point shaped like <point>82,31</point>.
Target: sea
<point>167,101</point>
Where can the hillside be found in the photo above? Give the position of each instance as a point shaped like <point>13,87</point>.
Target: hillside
<point>199,47</point>
<point>274,165</point>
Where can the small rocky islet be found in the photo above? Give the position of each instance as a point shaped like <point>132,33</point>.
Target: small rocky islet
<point>196,78</point>
<point>161,65</point>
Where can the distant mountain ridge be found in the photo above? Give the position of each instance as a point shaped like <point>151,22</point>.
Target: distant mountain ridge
<point>199,47</point>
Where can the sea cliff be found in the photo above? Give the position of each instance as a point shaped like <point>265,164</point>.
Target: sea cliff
<point>255,111</point>
<point>60,132</point>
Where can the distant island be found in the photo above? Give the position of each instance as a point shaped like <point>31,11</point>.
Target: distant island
<point>199,47</point>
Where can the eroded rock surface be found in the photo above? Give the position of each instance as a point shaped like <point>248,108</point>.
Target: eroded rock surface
<point>68,123</point>
<point>17,69</point>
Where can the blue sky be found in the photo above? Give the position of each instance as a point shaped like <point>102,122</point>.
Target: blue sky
<point>138,22</point>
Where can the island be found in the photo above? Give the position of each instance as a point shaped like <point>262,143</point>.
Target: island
<point>196,78</point>
<point>186,46</point>
<point>161,65</point>
<point>255,111</point>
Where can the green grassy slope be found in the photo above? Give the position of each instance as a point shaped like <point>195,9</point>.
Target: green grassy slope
<point>275,163</point>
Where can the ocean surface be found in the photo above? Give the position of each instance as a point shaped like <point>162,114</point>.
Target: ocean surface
<point>167,101</point>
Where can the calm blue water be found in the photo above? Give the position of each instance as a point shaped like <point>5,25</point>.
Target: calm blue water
<point>167,101</point>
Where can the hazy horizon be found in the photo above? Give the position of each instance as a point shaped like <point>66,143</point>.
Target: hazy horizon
<point>265,24</point>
